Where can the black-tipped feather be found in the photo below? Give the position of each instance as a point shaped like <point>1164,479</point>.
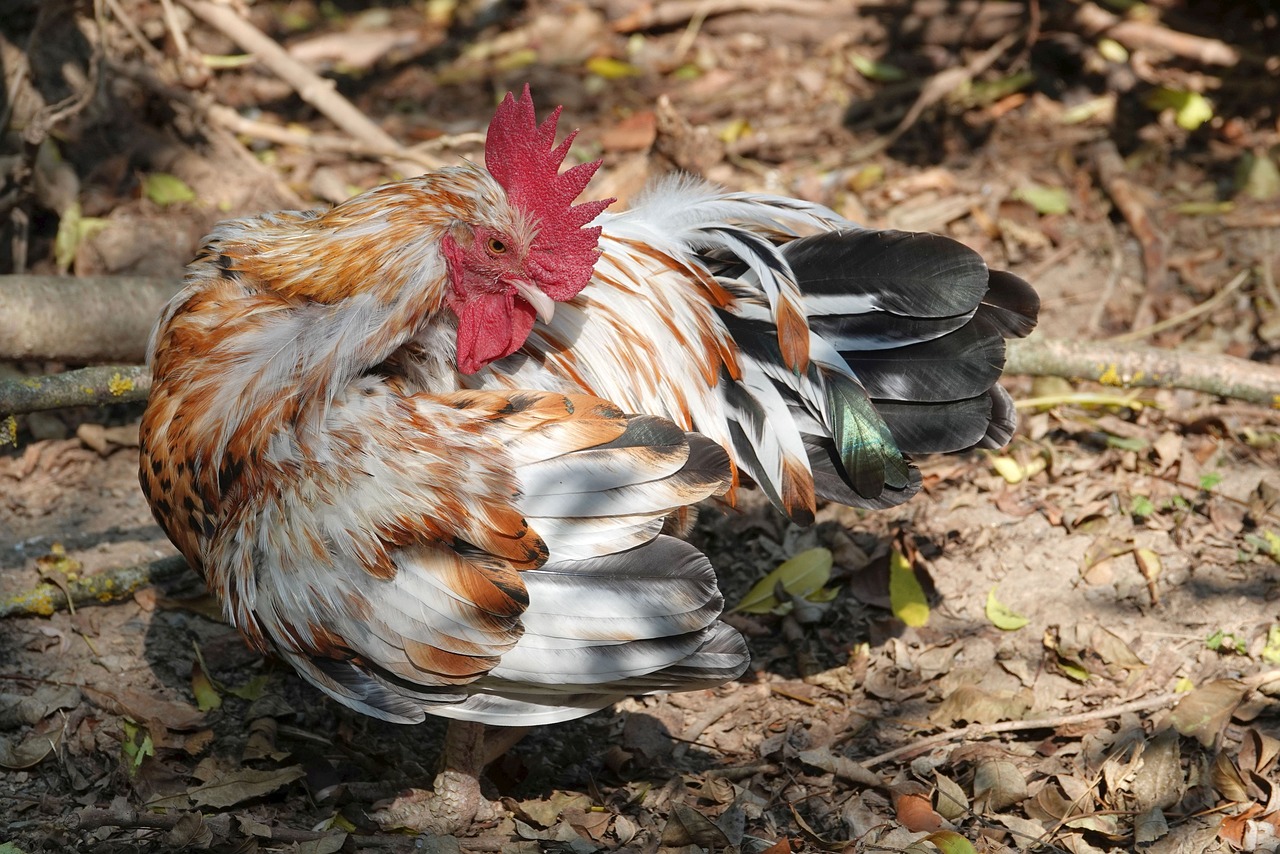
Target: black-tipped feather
<point>937,428</point>
<point>914,275</point>
<point>1011,304</point>
<point>964,363</point>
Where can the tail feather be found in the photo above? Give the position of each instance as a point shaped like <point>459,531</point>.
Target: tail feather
<point>1011,305</point>
<point>961,364</point>
<point>937,428</point>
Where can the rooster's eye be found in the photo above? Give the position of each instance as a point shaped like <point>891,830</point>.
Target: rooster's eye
<point>496,246</point>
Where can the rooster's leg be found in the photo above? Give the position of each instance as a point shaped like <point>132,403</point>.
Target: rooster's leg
<point>455,801</point>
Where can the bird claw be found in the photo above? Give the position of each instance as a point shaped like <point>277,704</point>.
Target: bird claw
<point>452,807</point>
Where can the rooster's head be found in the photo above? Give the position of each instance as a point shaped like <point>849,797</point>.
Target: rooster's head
<point>501,278</point>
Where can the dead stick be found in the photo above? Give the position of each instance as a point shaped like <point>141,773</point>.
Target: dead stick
<point>83,319</point>
<point>108,586</point>
<point>1111,171</point>
<point>1137,35</point>
<point>971,733</point>
<point>83,387</point>
<point>1146,367</point>
<point>312,88</point>
<point>129,818</point>
<point>674,12</point>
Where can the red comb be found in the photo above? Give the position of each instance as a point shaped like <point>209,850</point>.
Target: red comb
<point>522,156</point>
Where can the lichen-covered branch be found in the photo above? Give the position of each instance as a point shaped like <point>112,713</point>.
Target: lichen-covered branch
<point>83,387</point>
<point>1146,367</point>
<point>108,586</point>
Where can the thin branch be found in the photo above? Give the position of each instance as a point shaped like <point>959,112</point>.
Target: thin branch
<point>108,586</point>
<point>1146,367</point>
<point>1114,177</point>
<point>1190,314</point>
<point>315,90</point>
<point>977,731</point>
<point>935,89</point>
<point>1138,35</point>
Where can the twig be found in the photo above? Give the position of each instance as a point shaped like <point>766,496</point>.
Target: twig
<point>80,319</point>
<point>1190,314</point>
<point>315,90</point>
<point>84,387</point>
<point>977,731</point>
<point>1109,288</point>
<point>226,119</point>
<point>1111,171</point>
<point>1145,367</point>
<point>652,16</point>
<point>102,587</point>
<point>1138,35</point>
<point>934,90</point>
<point>127,817</point>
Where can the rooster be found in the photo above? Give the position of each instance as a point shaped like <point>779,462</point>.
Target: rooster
<point>423,445</point>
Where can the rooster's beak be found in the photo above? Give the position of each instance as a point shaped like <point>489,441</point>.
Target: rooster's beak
<point>542,304</point>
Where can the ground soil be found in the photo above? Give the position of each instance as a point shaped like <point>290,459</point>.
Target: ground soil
<point>1132,542</point>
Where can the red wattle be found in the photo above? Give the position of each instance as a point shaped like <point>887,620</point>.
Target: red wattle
<point>491,326</point>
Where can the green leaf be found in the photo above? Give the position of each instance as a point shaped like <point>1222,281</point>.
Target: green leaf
<point>165,189</point>
<point>803,575</point>
<point>1113,51</point>
<point>1204,208</point>
<point>1001,616</point>
<point>1271,652</point>
<point>1191,109</point>
<point>73,229</point>
<point>611,69</point>
<point>134,750</point>
<point>906,596</point>
<point>873,70</point>
<point>1209,480</point>
<point>1222,641</point>
<point>1046,200</point>
<point>1128,443</point>
<point>207,696</point>
<point>1073,670</point>
<point>1273,544</point>
<point>1142,507</point>
<point>950,842</point>
<point>1009,469</point>
<point>251,690</point>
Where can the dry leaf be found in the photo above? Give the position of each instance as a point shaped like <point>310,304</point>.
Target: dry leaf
<point>233,787</point>
<point>1159,782</point>
<point>1150,826</point>
<point>545,812</point>
<point>916,814</point>
<point>997,784</point>
<point>952,802</point>
<point>855,772</point>
<point>1205,711</point>
<point>690,827</point>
